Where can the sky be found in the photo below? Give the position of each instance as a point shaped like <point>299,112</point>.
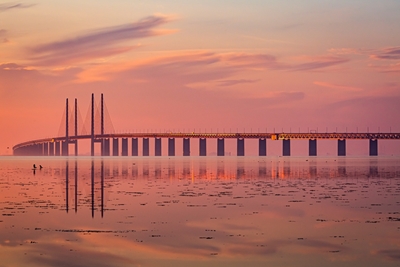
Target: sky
<point>255,65</point>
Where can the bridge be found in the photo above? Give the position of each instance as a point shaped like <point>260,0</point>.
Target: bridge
<point>110,142</point>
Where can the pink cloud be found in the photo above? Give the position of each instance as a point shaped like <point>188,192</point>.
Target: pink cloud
<point>235,82</point>
<point>314,63</point>
<point>3,36</point>
<point>97,43</point>
<point>391,68</point>
<point>203,66</point>
<point>390,53</point>
<point>9,6</point>
<point>340,87</point>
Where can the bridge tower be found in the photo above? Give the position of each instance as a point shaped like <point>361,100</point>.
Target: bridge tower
<point>67,141</point>
<point>102,126</point>
<point>76,126</point>
<point>104,142</point>
<point>92,128</point>
<point>65,151</point>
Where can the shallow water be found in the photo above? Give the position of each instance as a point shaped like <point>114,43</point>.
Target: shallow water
<point>200,211</point>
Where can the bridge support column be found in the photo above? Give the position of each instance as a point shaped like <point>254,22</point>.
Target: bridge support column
<point>51,149</point>
<point>240,147</point>
<point>135,147</point>
<point>186,146</point>
<point>342,147</point>
<point>171,146</point>
<point>30,150</point>
<point>35,150</point>
<point>124,147</point>
<point>76,147</point>
<point>202,147</point>
<point>58,150</point>
<point>65,151</point>
<point>262,147</point>
<point>220,147</point>
<point>373,147</point>
<point>40,149</point>
<point>312,147</point>
<point>45,149</point>
<point>115,147</point>
<point>106,147</point>
<point>286,147</point>
<point>146,147</point>
<point>157,149</point>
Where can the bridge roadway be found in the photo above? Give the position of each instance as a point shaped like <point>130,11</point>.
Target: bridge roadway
<point>57,145</point>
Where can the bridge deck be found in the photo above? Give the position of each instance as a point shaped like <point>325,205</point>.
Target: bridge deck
<point>273,136</point>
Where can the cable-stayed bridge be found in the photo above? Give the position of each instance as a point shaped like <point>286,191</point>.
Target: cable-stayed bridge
<point>98,125</point>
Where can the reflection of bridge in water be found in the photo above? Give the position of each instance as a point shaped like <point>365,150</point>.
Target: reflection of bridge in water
<point>92,187</point>
<point>112,142</point>
<point>106,174</point>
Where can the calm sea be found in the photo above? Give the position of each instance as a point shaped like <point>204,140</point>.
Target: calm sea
<point>200,211</point>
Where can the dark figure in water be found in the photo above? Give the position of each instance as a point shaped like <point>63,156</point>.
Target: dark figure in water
<point>40,166</point>
<point>34,166</point>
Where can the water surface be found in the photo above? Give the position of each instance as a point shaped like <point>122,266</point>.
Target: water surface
<point>200,211</point>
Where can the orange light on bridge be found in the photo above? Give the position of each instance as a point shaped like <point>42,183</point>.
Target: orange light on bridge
<point>274,137</point>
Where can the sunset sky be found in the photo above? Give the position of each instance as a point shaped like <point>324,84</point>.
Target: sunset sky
<point>254,65</point>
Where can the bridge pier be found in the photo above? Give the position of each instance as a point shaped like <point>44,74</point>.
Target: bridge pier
<point>36,150</point>
<point>106,147</point>
<point>186,146</point>
<point>202,147</point>
<point>31,150</point>
<point>124,147</point>
<point>41,149</point>
<point>45,149</point>
<point>135,147</point>
<point>76,147</point>
<point>115,147</point>
<point>51,149</point>
<point>146,147</point>
<point>341,147</point>
<point>220,147</point>
<point>262,147</point>
<point>240,147</point>
<point>171,146</point>
<point>286,147</point>
<point>373,147</point>
<point>65,151</point>
<point>312,147</point>
<point>157,150</point>
<point>58,149</point>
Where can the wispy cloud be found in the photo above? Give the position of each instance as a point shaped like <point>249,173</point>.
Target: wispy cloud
<point>98,43</point>
<point>3,34</point>
<point>235,82</point>
<point>314,63</point>
<point>371,56</point>
<point>10,6</point>
<point>11,66</point>
<point>336,86</point>
<point>387,53</point>
<point>390,53</point>
<point>349,51</point>
<point>391,68</point>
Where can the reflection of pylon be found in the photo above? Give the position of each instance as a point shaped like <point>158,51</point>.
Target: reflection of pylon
<point>92,188</point>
